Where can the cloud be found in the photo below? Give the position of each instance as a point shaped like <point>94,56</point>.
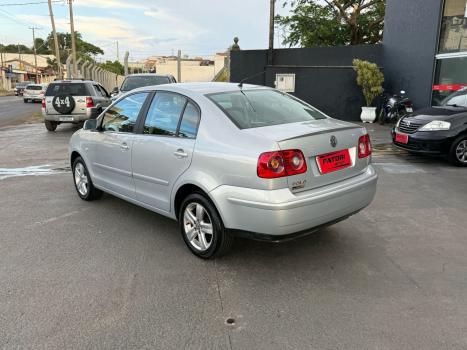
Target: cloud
<point>112,4</point>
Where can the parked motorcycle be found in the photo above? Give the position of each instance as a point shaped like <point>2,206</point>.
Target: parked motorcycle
<point>394,107</point>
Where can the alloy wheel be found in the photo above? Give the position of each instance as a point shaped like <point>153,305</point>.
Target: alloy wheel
<point>198,226</point>
<point>81,179</point>
<point>461,151</point>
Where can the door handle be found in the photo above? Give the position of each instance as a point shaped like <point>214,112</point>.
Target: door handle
<point>124,146</point>
<point>180,153</point>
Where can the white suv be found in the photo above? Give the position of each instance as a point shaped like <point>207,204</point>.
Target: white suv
<point>73,101</point>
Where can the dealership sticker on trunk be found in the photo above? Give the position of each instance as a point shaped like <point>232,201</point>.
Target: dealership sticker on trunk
<point>402,138</point>
<point>335,161</point>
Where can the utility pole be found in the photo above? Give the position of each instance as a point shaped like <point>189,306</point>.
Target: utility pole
<point>271,32</point>
<point>118,53</point>
<point>35,53</point>
<point>73,43</point>
<point>57,51</point>
<point>179,66</point>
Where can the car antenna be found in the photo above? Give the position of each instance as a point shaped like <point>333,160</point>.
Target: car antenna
<point>240,84</point>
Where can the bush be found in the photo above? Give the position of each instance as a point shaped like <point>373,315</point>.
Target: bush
<point>369,78</point>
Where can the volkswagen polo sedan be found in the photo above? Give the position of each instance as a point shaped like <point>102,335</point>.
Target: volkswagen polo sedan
<point>225,160</point>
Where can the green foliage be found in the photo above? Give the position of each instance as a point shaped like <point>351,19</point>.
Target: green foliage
<point>14,48</point>
<point>369,78</point>
<point>114,67</point>
<point>42,47</point>
<point>313,23</point>
<point>84,50</point>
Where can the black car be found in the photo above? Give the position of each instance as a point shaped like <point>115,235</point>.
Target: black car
<point>436,130</point>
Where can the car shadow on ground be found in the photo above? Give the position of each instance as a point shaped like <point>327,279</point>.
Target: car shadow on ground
<point>164,232</point>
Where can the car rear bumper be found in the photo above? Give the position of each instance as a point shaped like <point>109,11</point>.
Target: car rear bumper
<point>71,118</point>
<point>280,214</point>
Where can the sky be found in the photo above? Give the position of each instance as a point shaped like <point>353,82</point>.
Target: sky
<point>146,28</point>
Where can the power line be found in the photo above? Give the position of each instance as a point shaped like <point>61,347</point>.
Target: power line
<point>30,3</point>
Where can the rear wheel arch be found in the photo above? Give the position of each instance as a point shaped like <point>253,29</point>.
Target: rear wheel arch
<point>184,191</point>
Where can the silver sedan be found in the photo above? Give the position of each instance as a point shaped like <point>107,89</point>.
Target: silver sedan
<point>225,160</point>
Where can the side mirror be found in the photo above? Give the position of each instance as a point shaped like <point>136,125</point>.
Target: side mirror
<point>114,91</point>
<point>90,124</point>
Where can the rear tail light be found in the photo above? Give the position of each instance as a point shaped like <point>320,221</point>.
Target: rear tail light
<point>89,102</point>
<point>276,164</point>
<point>43,103</point>
<point>364,146</point>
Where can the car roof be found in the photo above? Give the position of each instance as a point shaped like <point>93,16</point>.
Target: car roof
<point>71,81</point>
<point>148,74</point>
<point>204,88</point>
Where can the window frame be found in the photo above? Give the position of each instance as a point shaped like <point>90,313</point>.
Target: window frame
<point>140,126</point>
<point>144,108</point>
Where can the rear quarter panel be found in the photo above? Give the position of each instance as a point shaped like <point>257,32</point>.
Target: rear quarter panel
<point>224,154</point>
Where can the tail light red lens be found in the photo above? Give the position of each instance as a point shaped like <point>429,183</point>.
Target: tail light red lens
<point>43,103</point>
<point>272,165</point>
<point>364,146</point>
<point>89,102</point>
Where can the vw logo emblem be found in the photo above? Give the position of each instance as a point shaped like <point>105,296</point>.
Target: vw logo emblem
<point>407,123</point>
<point>333,141</point>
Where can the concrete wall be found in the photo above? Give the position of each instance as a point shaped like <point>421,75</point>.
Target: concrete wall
<point>410,44</point>
<point>324,76</point>
<point>191,71</point>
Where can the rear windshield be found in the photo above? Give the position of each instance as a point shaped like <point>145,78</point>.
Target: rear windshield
<point>33,87</point>
<point>131,83</point>
<point>255,108</point>
<point>72,89</point>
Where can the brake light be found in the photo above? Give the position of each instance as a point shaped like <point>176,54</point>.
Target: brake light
<point>364,146</point>
<point>276,164</point>
<point>89,102</point>
<point>43,103</point>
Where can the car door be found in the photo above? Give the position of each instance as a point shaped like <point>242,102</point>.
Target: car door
<point>111,160</point>
<point>106,96</point>
<point>164,148</point>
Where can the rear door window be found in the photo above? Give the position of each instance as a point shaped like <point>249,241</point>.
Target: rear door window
<point>190,121</point>
<point>164,114</point>
<point>71,89</point>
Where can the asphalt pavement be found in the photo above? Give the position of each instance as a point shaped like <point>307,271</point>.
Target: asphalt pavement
<point>14,111</point>
<point>111,275</point>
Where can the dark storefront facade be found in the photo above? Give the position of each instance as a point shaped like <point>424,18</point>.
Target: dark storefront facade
<point>425,48</point>
<point>424,52</point>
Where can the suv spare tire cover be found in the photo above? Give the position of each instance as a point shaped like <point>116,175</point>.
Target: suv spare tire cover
<point>64,104</point>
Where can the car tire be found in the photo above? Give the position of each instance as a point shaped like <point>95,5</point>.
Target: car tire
<point>204,219</point>
<point>25,100</point>
<point>50,125</point>
<point>83,183</point>
<point>458,151</point>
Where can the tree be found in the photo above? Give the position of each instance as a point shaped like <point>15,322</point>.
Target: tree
<point>14,48</point>
<point>333,22</point>
<point>114,67</point>
<point>42,47</point>
<point>84,49</point>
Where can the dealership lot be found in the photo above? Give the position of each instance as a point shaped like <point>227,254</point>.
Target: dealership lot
<point>108,274</point>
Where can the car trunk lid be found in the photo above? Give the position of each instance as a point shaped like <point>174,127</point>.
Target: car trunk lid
<point>313,138</point>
